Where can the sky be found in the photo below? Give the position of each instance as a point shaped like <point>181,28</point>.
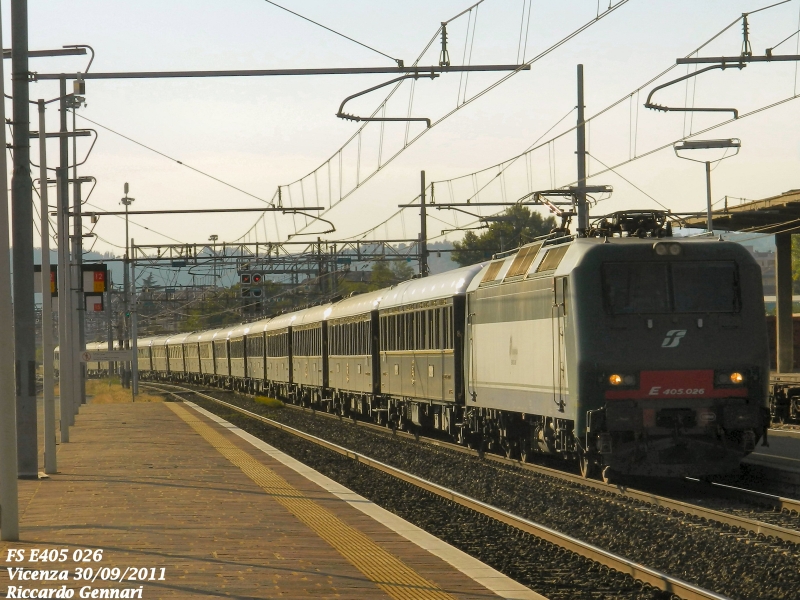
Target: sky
<point>257,134</point>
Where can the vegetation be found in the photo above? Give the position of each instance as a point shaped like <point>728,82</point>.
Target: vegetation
<point>384,274</point>
<point>269,402</point>
<point>796,264</point>
<point>520,227</point>
<point>109,391</point>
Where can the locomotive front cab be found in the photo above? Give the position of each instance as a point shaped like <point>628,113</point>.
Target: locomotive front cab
<point>675,376</point>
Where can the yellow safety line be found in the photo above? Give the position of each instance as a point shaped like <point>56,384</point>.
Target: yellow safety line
<point>389,573</point>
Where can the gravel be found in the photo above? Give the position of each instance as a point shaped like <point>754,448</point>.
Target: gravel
<point>540,565</point>
<point>711,555</point>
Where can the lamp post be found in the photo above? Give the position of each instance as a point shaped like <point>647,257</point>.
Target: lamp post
<point>126,281</point>
<point>734,143</point>
<point>213,239</point>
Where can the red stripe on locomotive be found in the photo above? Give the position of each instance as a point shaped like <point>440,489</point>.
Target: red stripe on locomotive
<point>676,384</point>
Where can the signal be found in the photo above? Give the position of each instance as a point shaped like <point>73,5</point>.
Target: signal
<point>244,278</point>
<point>256,278</point>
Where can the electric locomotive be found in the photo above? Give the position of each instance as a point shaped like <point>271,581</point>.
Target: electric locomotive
<point>640,356</point>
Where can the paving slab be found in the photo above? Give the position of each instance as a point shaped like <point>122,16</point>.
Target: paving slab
<point>162,500</point>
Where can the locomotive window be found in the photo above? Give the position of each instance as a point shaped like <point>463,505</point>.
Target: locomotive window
<point>633,288</point>
<point>681,287</point>
<point>711,286</point>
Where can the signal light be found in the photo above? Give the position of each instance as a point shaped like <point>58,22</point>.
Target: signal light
<point>615,379</point>
<point>244,278</point>
<point>737,378</point>
<point>256,278</point>
<point>255,293</point>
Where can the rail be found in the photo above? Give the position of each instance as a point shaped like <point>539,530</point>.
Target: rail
<point>657,579</point>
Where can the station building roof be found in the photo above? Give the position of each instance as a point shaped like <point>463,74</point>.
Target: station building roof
<point>777,214</point>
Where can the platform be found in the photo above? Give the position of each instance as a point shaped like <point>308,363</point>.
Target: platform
<point>782,453</point>
<point>161,486</point>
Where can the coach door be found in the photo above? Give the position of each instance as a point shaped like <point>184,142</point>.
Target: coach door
<point>558,324</point>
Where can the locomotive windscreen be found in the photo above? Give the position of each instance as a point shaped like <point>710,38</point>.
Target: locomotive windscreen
<point>678,287</point>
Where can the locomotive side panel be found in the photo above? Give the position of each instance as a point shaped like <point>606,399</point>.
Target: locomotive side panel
<point>516,334</point>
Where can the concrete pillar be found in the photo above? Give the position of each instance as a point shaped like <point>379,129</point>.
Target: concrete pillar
<point>783,302</point>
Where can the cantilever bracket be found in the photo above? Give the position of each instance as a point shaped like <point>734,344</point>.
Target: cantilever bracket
<point>723,66</point>
<point>342,115</point>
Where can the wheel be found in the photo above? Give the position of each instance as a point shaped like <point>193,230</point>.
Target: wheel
<point>461,437</point>
<point>525,452</point>
<point>609,475</point>
<point>589,466</point>
<point>510,449</point>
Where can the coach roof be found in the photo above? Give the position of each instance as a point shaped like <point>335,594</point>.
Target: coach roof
<point>315,314</point>
<point>357,305</point>
<point>446,285</point>
<point>281,321</point>
<point>179,338</point>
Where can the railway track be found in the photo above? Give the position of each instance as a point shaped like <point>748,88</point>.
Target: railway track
<point>652,577</point>
<point>786,506</point>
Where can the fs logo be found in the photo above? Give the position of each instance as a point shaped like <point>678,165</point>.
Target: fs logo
<point>674,337</point>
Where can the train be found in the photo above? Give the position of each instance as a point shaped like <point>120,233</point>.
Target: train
<point>629,355</point>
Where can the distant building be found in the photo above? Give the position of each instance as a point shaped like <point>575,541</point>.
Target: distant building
<point>765,260</point>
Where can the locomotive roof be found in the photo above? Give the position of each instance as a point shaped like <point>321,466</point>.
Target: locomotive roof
<point>357,305</point>
<point>445,285</point>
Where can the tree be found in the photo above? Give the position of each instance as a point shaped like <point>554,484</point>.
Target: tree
<point>402,271</point>
<point>149,282</point>
<point>521,227</point>
<point>384,276</point>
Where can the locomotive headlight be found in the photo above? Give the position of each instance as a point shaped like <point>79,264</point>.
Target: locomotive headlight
<point>667,248</point>
<point>617,380</point>
<point>726,378</point>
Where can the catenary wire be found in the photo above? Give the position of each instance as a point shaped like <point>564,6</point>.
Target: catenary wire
<point>333,31</point>
<point>183,164</point>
